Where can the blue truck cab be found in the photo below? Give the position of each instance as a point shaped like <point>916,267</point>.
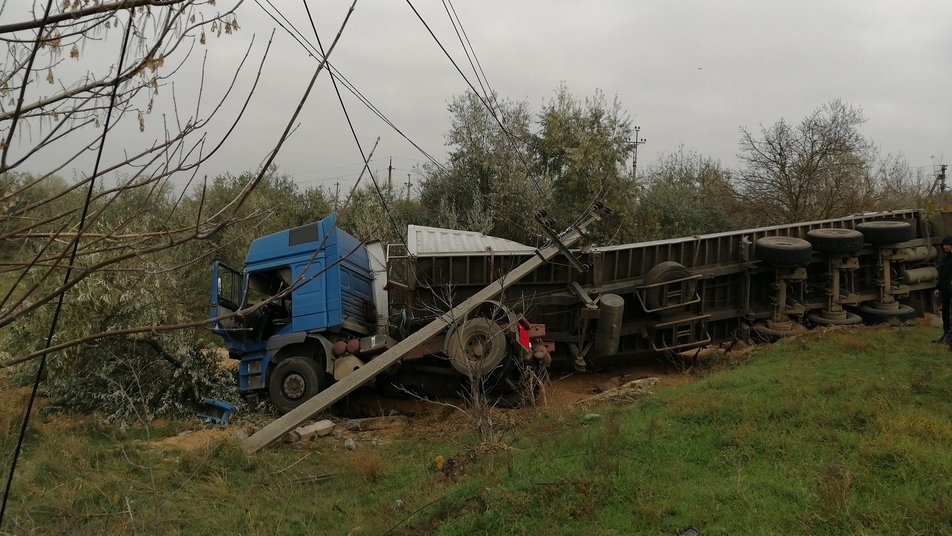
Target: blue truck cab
<point>303,303</point>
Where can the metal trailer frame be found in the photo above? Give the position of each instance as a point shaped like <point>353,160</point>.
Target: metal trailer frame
<point>724,291</point>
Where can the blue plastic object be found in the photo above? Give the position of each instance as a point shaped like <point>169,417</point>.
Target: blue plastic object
<point>216,411</point>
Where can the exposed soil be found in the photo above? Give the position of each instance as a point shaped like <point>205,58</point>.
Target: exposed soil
<point>566,387</point>
<point>577,386</point>
<point>443,416</point>
<point>437,418</point>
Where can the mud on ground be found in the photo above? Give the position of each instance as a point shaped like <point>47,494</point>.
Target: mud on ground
<point>447,415</point>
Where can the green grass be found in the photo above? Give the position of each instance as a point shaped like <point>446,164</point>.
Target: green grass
<point>844,432</point>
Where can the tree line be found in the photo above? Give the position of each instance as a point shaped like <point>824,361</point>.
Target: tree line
<point>504,165</point>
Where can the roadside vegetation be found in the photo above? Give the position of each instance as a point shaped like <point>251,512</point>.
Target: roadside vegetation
<point>842,431</point>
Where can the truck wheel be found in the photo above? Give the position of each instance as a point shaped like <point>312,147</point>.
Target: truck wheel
<point>476,347</point>
<point>836,240</point>
<point>848,319</point>
<point>293,381</point>
<point>662,273</point>
<point>873,315</point>
<point>886,231</point>
<point>784,251</point>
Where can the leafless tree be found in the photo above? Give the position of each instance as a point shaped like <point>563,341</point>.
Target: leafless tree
<point>135,111</point>
<point>56,114</point>
<point>818,168</point>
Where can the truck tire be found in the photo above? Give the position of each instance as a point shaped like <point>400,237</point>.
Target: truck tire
<point>886,231</point>
<point>662,273</point>
<point>835,240</point>
<point>873,315</point>
<point>848,319</point>
<point>476,347</point>
<point>293,381</point>
<point>784,251</point>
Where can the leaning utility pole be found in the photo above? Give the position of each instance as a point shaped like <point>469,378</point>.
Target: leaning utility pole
<point>939,180</point>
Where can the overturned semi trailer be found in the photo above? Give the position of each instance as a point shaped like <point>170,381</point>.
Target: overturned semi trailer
<point>609,304</point>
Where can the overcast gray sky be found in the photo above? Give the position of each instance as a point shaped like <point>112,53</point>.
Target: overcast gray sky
<point>689,73</point>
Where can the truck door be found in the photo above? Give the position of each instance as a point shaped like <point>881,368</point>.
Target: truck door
<point>314,306</point>
<point>225,296</point>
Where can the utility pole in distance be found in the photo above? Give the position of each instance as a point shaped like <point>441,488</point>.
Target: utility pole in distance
<point>634,152</point>
<point>390,177</point>
<point>408,186</point>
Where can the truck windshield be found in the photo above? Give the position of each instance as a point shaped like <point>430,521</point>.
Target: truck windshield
<point>262,286</point>
<point>266,288</point>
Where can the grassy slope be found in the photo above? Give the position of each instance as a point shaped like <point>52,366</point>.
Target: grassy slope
<point>847,432</point>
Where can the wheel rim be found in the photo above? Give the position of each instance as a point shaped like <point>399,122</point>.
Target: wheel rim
<point>294,386</point>
<point>476,347</point>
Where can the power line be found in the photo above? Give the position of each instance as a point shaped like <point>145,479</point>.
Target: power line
<point>458,28</point>
<point>383,200</point>
<point>290,28</point>
<point>341,166</point>
<point>298,36</point>
<point>492,112</point>
<point>492,93</point>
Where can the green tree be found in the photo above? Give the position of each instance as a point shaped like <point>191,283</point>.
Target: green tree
<point>685,194</point>
<point>372,214</point>
<point>581,148</point>
<point>134,374</point>
<point>487,184</point>
<point>273,204</point>
<point>497,178</point>
<point>126,377</point>
<point>58,117</point>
